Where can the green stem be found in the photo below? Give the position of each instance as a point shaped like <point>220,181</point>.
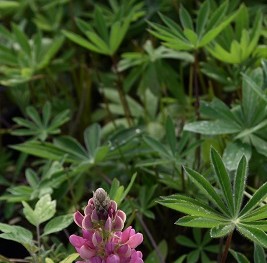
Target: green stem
<point>197,105</point>
<point>122,96</point>
<point>227,246</point>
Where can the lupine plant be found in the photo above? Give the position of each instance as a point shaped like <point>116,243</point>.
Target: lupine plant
<point>103,94</point>
<point>226,211</point>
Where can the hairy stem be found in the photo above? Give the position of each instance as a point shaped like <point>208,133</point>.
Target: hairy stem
<point>226,249</point>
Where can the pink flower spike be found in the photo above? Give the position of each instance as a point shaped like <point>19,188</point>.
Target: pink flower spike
<point>135,240</point>
<point>78,218</point>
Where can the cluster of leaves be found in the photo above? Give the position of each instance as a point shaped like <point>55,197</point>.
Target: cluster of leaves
<point>120,93</point>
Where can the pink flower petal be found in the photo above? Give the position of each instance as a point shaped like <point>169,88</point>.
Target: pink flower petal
<point>124,251</point>
<point>135,240</point>
<point>113,259</point>
<point>87,223</point>
<point>126,235</point>
<point>118,224</point>
<point>78,218</point>
<point>110,247</point>
<point>77,241</point>
<point>122,215</point>
<point>108,224</point>
<point>86,252</point>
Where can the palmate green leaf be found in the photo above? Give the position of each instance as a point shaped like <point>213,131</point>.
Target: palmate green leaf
<point>259,254</point>
<point>44,150</point>
<point>101,24</point>
<point>72,147</point>
<point>186,241</point>
<point>44,209</point>
<point>173,27</point>
<point>92,136</point>
<point>156,146</point>
<point>204,185</point>
<point>213,32</point>
<point>233,153</point>
<point>255,214</point>
<point>255,200</point>
<point>253,85</point>
<point>223,178</point>
<point>57,224</point>
<point>191,36</point>
<point>202,18</point>
<point>171,138</point>
<point>98,42</point>
<point>18,234</point>
<point>82,42</point>
<point>256,235</point>
<point>22,40</point>
<point>259,144</point>
<point>222,230</point>
<point>216,127</point>
<point>50,52</point>
<point>261,224</point>
<point>240,258</point>
<point>8,4</point>
<point>196,221</point>
<point>185,18</point>
<point>240,183</point>
<point>190,206</point>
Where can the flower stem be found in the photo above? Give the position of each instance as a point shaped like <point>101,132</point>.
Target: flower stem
<point>227,246</point>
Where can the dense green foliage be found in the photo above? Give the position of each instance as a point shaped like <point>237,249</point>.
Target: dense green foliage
<point>161,103</point>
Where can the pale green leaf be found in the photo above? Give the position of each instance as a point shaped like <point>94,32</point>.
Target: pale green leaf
<point>222,230</point>
<point>57,224</point>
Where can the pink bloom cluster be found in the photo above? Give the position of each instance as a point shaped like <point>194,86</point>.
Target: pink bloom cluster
<point>103,240</point>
